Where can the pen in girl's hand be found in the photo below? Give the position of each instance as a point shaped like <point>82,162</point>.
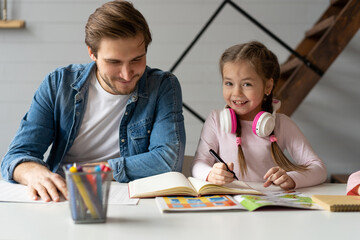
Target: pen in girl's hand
<point>217,158</point>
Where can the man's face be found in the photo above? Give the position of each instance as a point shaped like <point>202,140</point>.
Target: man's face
<point>120,63</point>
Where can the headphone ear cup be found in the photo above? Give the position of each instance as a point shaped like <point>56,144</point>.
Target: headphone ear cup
<point>228,121</point>
<point>263,124</point>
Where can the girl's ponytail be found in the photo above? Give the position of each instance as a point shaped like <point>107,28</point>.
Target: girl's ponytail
<point>241,158</point>
<point>277,155</point>
<point>281,160</point>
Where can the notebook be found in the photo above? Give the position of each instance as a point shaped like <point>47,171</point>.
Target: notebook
<point>338,203</point>
<point>175,184</point>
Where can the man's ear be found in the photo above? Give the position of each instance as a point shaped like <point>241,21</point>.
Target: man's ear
<point>91,54</point>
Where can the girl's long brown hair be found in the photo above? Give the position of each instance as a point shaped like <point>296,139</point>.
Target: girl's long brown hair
<point>267,66</point>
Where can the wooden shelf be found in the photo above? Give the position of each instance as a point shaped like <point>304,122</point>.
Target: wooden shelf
<point>12,23</point>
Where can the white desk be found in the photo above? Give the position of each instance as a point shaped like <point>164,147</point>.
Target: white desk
<point>144,221</point>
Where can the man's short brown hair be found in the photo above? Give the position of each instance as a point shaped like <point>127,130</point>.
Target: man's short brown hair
<point>115,19</point>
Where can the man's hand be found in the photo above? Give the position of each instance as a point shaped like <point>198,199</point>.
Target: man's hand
<point>219,175</point>
<point>279,177</point>
<point>40,181</point>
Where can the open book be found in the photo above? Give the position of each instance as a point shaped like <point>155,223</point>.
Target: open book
<point>204,203</point>
<point>238,202</point>
<point>175,183</point>
<point>289,199</point>
<point>338,203</point>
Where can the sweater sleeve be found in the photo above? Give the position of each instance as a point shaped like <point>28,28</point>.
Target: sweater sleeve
<point>203,161</point>
<point>353,184</point>
<point>301,153</point>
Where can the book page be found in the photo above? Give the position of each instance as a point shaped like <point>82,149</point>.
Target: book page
<point>119,195</point>
<point>12,192</point>
<point>236,187</point>
<point>197,183</point>
<point>170,183</point>
<point>290,199</point>
<point>206,203</point>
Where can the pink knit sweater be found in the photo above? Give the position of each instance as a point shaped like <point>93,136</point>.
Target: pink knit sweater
<point>257,151</point>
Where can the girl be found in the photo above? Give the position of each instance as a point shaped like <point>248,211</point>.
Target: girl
<point>353,184</point>
<point>250,72</point>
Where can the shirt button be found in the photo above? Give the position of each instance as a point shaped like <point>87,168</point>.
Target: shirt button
<point>78,97</point>
<point>122,140</point>
<point>126,113</point>
<point>149,131</point>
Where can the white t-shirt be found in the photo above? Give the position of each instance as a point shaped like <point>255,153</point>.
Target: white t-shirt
<point>98,137</point>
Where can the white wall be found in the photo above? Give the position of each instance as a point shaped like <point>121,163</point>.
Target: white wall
<point>54,36</point>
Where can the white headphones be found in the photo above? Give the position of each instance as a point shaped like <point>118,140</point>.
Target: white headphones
<point>263,124</point>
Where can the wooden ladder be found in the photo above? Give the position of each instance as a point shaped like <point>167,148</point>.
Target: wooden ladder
<point>319,48</point>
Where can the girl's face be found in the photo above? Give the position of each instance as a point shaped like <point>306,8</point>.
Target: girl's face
<point>243,89</point>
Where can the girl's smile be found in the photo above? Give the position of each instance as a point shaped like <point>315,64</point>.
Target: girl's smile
<point>239,102</point>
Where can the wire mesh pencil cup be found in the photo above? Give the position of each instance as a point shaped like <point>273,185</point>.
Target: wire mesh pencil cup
<point>88,195</point>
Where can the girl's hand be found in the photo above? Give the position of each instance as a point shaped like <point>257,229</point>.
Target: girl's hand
<point>219,175</point>
<point>279,177</point>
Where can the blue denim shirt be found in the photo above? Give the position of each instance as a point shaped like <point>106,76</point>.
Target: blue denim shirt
<point>151,132</point>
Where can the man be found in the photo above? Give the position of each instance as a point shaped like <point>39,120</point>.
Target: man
<point>115,110</point>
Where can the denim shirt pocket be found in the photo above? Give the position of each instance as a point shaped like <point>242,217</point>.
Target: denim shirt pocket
<point>139,134</point>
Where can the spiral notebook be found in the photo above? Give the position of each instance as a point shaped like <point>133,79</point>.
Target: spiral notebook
<point>338,203</point>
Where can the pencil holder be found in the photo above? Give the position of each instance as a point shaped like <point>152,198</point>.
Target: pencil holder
<point>88,193</point>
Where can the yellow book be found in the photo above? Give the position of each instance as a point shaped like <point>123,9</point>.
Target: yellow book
<point>175,183</point>
<point>338,203</point>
